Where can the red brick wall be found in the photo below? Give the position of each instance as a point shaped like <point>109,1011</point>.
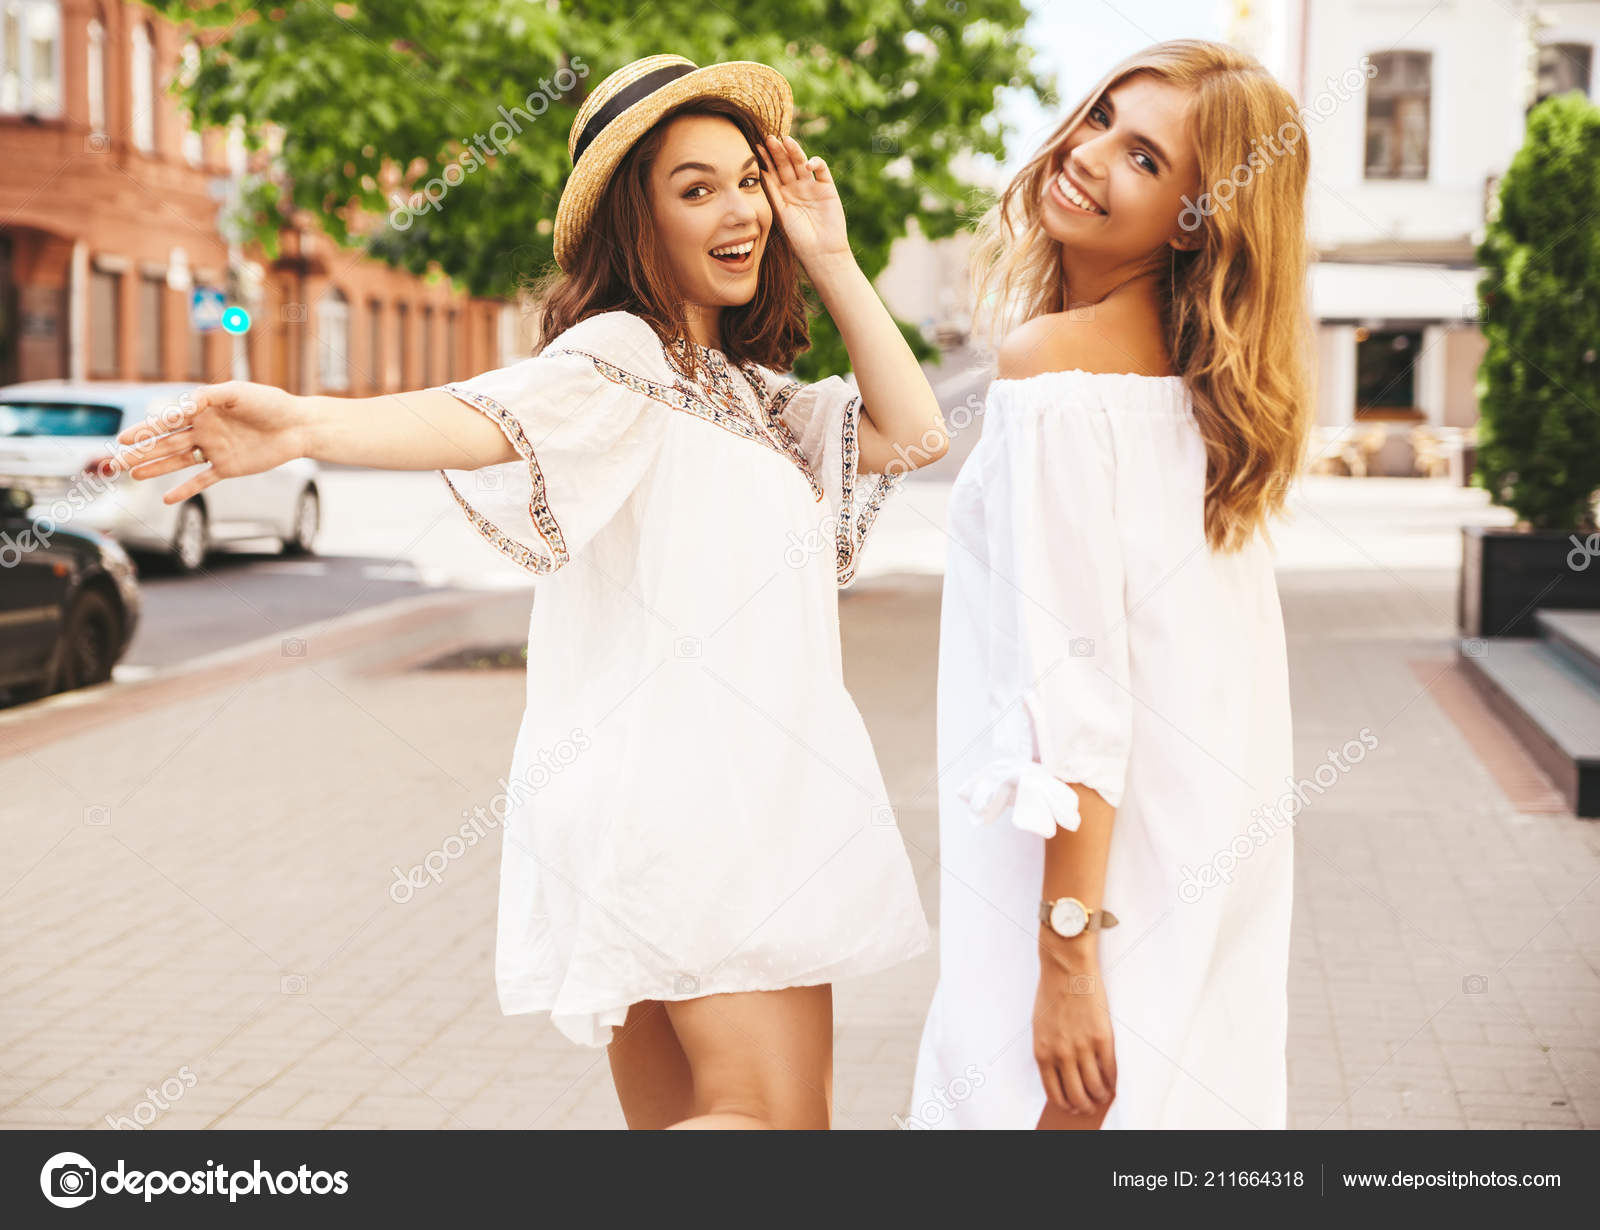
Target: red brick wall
<point>66,185</point>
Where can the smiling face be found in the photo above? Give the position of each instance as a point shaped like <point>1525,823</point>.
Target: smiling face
<point>712,215</point>
<point>1115,185</point>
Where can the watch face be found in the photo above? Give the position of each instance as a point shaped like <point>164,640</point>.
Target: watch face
<point>1068,917</point>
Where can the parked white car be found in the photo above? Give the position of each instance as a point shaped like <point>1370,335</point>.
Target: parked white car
<point>56,436</point>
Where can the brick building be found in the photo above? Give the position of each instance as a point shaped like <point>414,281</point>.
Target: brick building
<point>109,216</point>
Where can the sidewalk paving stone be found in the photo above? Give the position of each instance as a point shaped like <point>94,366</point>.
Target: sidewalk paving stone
<point>205,881</point>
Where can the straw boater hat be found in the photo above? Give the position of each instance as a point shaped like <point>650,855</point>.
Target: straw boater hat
<point>624,106</point>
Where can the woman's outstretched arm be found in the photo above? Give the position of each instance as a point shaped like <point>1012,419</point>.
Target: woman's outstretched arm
<point>245,428</point>
<point>426,429</point>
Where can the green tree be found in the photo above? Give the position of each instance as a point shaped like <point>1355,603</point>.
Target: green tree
<point>888,91</point>
<point>1539,386</point>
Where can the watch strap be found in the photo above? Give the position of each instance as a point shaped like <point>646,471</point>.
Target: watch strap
<point>1097,918</point>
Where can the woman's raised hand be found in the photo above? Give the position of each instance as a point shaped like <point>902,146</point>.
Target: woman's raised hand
<point>240,427</point>
<point>805,200</point>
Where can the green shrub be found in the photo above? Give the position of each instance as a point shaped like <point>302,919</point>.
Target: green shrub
<point>1539,386</point>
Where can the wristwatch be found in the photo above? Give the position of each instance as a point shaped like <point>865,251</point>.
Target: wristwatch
<point>1067,917</point>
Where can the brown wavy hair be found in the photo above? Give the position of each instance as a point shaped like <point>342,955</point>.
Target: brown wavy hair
<point>1235,308</point>
<point>621,266</point>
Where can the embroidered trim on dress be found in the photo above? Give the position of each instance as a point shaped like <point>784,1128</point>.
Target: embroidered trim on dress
<point>774,406</point>
<point>539,513</point>
<point>769,406</point>
<point>720,405</point>
<point>855,522</point>
<point>691,398</point>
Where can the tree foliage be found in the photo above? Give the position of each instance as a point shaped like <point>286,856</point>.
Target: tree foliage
<point>1539,386</point>
<point>888,91</point>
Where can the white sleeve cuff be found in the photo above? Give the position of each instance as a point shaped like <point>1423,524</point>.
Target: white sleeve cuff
<point>1037,801</point>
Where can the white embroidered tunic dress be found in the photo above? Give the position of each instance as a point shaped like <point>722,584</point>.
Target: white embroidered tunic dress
<point>694,802</point>
<point>1090,635</point>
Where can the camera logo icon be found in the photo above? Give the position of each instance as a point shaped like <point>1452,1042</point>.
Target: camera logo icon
<point>67,1180</point>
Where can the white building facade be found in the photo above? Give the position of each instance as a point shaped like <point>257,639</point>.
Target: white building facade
<point>1403,173</point>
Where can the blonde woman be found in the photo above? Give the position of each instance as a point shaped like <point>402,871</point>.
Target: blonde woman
<point>1112,677</point>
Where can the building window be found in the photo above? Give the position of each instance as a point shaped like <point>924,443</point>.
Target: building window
<point>143,77</point>
<point>105,317</point>
<point>96,57</point>
<point>30,56</point>
<point>427,348</point>
<point>1563,67</point>
<point>333,341</point>
<point>1398,101</point>
<point>402,322</point>
<point>375,344</point>
<point>1386,372</point>
<point>152,298</point>
<point>193,144</point>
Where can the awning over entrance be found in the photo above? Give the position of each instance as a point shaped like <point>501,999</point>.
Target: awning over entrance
<point>1348,292</point>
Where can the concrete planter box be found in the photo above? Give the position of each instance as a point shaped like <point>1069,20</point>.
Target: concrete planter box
<point>1507,575</point>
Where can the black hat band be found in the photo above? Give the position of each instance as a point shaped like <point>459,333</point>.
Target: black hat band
<point>623,99</point>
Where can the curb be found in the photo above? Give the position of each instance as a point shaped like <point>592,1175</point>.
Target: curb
<point>42,722</point>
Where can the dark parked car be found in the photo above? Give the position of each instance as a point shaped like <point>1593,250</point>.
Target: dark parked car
<point>69,602</point>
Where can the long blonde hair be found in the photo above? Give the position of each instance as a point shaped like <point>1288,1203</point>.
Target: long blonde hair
<point>1234,308</point>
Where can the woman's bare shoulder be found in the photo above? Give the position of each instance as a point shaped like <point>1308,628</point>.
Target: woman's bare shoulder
<point>1103,338</point>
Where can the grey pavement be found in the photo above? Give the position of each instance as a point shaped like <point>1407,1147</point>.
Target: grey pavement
<point>199,930</point>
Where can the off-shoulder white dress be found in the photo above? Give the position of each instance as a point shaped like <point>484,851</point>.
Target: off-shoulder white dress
<point>1090,635</point>
<point>693,805</point>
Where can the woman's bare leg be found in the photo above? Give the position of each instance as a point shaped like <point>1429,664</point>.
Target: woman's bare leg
<point>650,1069</point>
<point>759,1059</point>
